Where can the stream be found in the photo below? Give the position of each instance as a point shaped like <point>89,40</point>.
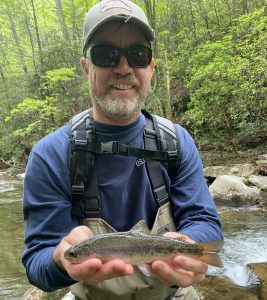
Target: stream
<point>245,232</point>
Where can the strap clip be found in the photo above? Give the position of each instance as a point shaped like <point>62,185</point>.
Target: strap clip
<point>78,189</point>
<point>80,144</point>
<point>172,155</point>
<point>161,195</point>
<point>109,147</point>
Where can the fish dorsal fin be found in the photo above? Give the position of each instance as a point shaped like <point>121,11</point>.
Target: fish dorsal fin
<point>140,227</point>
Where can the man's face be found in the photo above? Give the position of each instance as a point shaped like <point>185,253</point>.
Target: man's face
<point>119,92</point>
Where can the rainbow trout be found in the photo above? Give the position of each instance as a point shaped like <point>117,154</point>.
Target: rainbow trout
<point>138,246</point>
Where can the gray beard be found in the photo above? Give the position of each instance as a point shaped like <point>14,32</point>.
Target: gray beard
<point>118,108</point>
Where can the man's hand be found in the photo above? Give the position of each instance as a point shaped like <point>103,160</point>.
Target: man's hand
<point>181,270</point>
<point>92,271</point>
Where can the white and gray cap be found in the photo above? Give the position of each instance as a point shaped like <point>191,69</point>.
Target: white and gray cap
<point>114,10</point>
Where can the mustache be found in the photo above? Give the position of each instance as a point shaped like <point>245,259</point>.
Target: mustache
<point>129,78</point>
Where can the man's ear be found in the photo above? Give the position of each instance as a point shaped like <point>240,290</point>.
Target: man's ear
<point>84,66</point>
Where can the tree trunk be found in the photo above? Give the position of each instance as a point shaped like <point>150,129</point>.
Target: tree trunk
<point>245,6</point>
<point>2,74</point>
<point>230,12</point>
<point>37,34</point>
<point>230,130</point>
<point>192,17</point>
<point>150,6</point>
<point>168,109</point>
<point>16,39</point>
<point>60,16</point>
<point>74,24</point>
<point>27,23</point>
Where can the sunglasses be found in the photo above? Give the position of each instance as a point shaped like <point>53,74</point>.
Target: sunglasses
<point>107,56</point>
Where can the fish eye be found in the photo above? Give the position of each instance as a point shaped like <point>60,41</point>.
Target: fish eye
<point>72,253</point>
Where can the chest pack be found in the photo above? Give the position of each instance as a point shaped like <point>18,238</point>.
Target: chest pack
<point>161,147</point>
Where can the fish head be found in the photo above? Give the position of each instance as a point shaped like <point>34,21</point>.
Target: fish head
<point>75,255</point>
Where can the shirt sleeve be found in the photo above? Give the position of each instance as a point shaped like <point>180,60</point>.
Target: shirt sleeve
<point>47,210</point>
<point>193,208</point>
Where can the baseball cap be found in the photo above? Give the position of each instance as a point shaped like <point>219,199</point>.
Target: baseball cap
<point>114,10</point>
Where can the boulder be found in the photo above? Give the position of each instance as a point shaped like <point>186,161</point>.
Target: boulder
<point>243,170</point>
<point>260,269</point>
<point>221,288</point>
<point>259,181</point>
<point>233,190</point>
<point>21,176</point>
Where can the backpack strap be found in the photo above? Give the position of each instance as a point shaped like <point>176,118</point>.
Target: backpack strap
<point>85,198</point>
<point>161,145</point>
<point>168,141</point>
<point>160,133</point>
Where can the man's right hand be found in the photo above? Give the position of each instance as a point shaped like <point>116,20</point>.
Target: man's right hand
<point>92,271</point>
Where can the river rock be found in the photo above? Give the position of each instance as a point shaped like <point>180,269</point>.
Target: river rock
<point>260,270</point>
<point>233,190</point>
<point>261,163</point>
<point>259,181</point>
<point>243,170</point>
<point>221,288</point>
<point>21,176</point>
<point>33,293</point>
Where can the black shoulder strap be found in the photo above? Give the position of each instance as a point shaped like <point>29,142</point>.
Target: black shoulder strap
<point>85,199</point>
<point>161,145</point>
<point>168,141</point>
<point>161,134</point>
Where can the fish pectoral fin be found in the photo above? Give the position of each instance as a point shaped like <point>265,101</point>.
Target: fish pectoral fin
<point>212,259</point>
<point>144,269</point>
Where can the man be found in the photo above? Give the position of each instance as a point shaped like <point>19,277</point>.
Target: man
<point>118,65</point>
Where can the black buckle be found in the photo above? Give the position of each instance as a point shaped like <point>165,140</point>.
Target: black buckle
<point>92,207</point>
<point>77,189</point>
<point>161,195</point>
<point>150,133</point>
<point>114,147</point>
<point>80,144</point>
<point>109,147</point>
<point>172,155</point>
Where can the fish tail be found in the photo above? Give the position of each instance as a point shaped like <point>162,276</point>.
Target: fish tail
<point>212,259</point>
<point>213,246</point>
<point>209,253</point>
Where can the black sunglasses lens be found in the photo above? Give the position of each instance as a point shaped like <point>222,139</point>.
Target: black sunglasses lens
<point>139,56</point>
<point>109,56</point>
<point>105,56</point>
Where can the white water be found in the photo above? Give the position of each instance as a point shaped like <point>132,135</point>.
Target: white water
<point>244,247</point>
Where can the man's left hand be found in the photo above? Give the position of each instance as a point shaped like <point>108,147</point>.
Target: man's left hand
<point>182,271</point>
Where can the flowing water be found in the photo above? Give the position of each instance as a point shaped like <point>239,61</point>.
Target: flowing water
<point>245,231</point>
<point>13,282</point>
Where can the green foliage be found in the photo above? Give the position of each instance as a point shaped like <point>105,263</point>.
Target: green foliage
<point>227,79</point>
<point>62,74</point>
<point>210,69</point>
<point>36,118</point>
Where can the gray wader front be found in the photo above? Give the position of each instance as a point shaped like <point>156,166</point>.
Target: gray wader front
<point>136,286</point>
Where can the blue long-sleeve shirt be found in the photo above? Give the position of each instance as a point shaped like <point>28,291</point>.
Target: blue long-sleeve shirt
<point>125,194</point>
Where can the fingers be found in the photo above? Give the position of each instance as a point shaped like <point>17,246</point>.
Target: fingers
<point>93,271</point>
<point>84,270</point>
<point>181,271</point>
<point>180,236</point>
<point>78,234</point>
<point>109,270</point>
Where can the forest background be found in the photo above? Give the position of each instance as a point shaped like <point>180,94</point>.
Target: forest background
<point>211,63</point>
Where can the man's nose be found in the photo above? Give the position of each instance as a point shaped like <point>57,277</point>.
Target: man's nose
<point>123,67</point>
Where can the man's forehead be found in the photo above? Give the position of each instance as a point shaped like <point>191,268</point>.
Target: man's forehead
<point>115,31</point>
